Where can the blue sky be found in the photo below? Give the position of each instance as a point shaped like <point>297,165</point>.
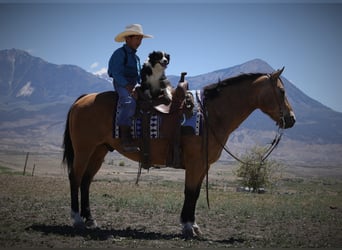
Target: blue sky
<point>201,36</point>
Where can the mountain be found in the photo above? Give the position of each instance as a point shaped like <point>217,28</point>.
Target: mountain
<point>36,95</point>
<point>31,79</point>
<point>316,123</point>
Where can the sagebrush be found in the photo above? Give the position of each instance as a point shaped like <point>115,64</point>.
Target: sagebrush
<point>255,172</point>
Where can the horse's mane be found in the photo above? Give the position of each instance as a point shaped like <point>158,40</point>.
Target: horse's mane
<point>212,90</point>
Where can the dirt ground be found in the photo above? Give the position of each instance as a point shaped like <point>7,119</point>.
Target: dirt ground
<point>34,212</point>
<point>305,209</point>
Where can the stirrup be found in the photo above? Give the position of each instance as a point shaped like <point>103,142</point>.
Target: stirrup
<point>130,148</point>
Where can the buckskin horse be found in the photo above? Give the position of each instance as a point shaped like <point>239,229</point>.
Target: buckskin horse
<point>88,137</point>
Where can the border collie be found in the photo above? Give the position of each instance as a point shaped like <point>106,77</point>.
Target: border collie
<point>153,80</point>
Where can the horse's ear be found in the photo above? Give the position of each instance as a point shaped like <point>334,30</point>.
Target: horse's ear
<point>281,70</point>
<point>276,74</point>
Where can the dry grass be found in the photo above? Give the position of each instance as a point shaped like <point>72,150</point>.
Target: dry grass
<point>300,212</point>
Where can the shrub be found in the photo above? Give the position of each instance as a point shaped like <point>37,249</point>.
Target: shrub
<point>256,173</point>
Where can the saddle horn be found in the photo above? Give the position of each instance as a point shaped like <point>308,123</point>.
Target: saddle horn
<point>182,78</point>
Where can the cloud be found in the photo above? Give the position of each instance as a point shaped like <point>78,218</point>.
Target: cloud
<point>27,90</point>
<point>100,72</point>
<point>94,65</point>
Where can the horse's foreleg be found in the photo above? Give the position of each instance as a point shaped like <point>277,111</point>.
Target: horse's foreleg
<point>194,175</point>
<point>190,228</point>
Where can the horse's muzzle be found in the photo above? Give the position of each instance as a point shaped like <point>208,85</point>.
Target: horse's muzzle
<point>288,121</point>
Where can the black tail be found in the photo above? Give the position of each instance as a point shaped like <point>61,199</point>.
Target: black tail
<point>68,155</point>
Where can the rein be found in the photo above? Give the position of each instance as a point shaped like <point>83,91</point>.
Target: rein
<point>267,153</point>
<point>208,126</point>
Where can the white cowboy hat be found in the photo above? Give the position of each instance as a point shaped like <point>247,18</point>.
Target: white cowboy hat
<point>132,29</point>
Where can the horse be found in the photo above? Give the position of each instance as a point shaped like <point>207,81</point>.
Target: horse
<point>88,137</point>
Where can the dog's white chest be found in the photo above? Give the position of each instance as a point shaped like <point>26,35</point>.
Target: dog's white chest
<point>157,73</point>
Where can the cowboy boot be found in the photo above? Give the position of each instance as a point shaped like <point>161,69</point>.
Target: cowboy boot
<point>126,139</point>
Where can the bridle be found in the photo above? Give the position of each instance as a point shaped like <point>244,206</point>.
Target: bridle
<point>271,146</point>
<point>208,127</point>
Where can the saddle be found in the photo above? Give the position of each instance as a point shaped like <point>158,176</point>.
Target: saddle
<point>172,111</point>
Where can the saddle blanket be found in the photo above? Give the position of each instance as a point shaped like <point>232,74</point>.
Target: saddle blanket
<point>195,121</point>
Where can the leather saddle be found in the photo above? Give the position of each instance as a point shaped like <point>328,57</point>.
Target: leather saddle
<point>180,99</point>
<point>173,112</point>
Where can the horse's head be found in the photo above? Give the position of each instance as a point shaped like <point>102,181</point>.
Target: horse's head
<point>273,101</point>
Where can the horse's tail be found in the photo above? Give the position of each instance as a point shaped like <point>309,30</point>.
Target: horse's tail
<point>68,154</point>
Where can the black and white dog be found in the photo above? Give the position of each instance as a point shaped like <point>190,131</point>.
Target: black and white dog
<point>153,80</point>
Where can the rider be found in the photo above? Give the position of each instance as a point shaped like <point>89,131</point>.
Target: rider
<point>124,67</point>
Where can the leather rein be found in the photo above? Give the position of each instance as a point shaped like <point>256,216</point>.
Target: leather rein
<point>208,126</point>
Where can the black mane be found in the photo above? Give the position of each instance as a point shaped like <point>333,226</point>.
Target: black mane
<point>214,89</point>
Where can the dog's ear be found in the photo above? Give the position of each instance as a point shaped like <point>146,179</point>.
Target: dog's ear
<point>152,55</point>
<point>167,57</point>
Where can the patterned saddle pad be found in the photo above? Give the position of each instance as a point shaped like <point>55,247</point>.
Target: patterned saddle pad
<point>195,121</point>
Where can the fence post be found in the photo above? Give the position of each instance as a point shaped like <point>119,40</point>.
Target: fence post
<point>34,165</point>
<point>27,155</point>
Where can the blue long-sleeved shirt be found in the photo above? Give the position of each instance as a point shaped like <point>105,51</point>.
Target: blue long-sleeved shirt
<point>124,67</point>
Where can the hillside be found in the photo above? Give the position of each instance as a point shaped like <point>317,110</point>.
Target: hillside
<point>36,95</point>
<point>316,123</point>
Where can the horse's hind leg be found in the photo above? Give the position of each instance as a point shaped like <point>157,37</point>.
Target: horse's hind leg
<point>75,215</point>
<point>75,178</point>
<point>94,165</point>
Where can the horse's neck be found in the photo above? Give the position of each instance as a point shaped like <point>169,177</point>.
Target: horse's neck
<point>233,105</point>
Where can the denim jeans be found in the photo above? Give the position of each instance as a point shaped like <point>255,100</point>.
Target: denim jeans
<point>127,106</point>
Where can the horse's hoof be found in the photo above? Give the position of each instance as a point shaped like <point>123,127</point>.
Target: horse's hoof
<point>187,231</point>
<point>91,224</point>
<point>79,225</point>
<point>191,230</point>
<point>197,230</point>
<point>78,222</point>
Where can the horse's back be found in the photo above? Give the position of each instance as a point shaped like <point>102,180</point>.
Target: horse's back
<point>95,100</point>
<point>91,116</point>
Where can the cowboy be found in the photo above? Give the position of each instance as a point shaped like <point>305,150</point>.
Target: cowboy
<point>124,67</point>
